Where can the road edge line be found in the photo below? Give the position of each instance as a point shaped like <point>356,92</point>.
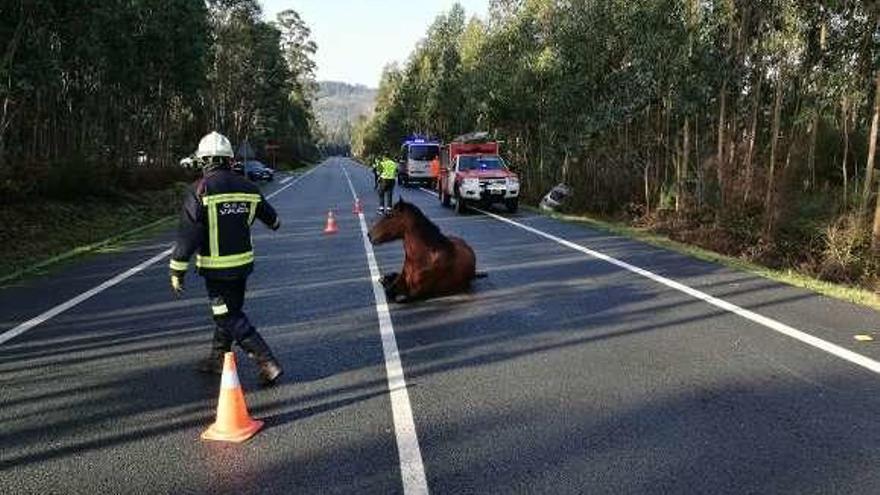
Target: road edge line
<point>412,468</point>
<point>70,303</point>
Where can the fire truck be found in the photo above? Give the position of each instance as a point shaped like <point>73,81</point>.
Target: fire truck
<point>417,153</point>
<point>473,174</point>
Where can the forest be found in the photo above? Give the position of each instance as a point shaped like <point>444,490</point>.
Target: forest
<point>104,95</point>
<point>100,100</point>
<point>747,127</point>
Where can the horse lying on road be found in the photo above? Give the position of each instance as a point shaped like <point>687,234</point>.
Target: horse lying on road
<point>433,265</point>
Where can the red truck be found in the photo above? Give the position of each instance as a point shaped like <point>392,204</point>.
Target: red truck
<point>472,173</point>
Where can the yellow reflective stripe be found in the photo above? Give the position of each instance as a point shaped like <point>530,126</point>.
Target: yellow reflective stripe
<point>213,234</point>
<point>253,211</point>
<point>230,197</point>
<point>231,261</point>
<point>219,309</point>
<point>180,266</point>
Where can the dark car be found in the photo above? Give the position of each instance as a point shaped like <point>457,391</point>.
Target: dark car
<point>256,171</point>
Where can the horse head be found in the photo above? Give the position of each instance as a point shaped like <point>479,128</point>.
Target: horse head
<point>390,227</point>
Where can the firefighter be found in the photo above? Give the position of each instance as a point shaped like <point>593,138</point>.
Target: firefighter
<point>435,172</point>
<point>218,211</point>
<point>387,177</point>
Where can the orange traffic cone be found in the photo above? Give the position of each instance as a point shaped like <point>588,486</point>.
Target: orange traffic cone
<point>358,208</point>
<point>233,424</point>
<point>331,223</point>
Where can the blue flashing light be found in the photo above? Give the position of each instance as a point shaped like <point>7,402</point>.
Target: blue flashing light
<point>418,139</point>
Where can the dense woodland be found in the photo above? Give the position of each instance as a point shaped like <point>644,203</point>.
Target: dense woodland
<point>748,126</point>
<point>103,95</point>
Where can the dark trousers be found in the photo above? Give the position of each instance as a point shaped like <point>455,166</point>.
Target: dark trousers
<point>227,301</point>
<point>386,192</point>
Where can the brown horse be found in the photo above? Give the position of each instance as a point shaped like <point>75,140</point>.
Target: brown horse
<point>433,264</point>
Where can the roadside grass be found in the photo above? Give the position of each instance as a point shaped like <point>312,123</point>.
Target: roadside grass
<point>847,293</point>
<point>43,234</point>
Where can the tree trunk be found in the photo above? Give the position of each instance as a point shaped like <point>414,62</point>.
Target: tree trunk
<point>811,159</point>
<point>872,150</point>
<point>681,169</point>
<point>719,160</point>
<point>843,167</point>
<point>774,144</point>
<point>753,136</point>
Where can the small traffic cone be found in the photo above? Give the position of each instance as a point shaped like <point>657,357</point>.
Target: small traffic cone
<point>233,423</point>
<point>358,207</point>
<point>331,223</point>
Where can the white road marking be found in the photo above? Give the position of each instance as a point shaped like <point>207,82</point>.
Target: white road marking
<point>57,310</point>
<point>412,469</point>
<point>770,323</point>
<point>288,179</point>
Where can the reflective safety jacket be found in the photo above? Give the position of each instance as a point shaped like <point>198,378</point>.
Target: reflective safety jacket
<point>388,169</point>
<point>215,225</point>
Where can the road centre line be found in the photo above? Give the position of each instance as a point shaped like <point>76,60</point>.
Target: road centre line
<point>412,469</point>
<point>811,340</point>
<point>57,310</point>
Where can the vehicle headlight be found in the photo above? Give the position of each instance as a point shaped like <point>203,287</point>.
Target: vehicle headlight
<point>470,183</point>
<point>512,182</point>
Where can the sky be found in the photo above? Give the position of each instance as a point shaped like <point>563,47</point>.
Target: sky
<point>357,38</point>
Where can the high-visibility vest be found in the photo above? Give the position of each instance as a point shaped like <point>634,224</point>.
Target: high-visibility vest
<point>388,169</point>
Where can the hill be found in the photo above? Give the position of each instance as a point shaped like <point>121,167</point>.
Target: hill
<point>338,106</point>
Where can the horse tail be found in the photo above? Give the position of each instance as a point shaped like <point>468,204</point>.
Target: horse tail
<point>481,275</point>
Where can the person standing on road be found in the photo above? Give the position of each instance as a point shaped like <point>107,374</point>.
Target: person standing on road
<point>435,172</point>
<point>215,221</point>
<point>387,177</point>
<point>377,165</point>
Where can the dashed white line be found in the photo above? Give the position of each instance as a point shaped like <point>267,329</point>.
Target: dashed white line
<point>55,311</point>
<point>799,335</point>
<point>412,469</point>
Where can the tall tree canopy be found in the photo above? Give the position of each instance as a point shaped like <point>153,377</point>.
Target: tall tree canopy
<point>88,87</point>
<point>750,114</point>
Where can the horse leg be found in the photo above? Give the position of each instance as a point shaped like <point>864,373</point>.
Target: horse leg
<point>388,279</point>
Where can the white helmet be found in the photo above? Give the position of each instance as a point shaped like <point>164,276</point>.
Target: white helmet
<point>214,144</point>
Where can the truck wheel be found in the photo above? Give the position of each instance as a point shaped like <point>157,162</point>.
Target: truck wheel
<point>512,205</point>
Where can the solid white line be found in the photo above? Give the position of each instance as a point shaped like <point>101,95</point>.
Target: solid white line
<point>57,310</point>
<point>24,327</point>
<point>286,180</point>
<point>412,469</point>
<point>295,181</point>
<point>770,323</point>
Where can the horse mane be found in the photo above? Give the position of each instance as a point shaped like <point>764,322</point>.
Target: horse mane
<point>426,229</point>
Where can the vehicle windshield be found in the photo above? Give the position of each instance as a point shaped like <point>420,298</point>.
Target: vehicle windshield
<point>481,163</point>
<point>424,153</point>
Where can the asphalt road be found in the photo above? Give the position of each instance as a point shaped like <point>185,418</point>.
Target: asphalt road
<point>559,373</point>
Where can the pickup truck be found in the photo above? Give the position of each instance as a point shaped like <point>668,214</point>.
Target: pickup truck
<point>473,174</point>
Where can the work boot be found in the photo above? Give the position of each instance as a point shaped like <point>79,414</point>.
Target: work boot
<point>259,351</point>
<point>214,362</point>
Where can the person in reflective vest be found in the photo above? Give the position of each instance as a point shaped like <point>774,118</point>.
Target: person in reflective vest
<point>435,172</point>
<point>377,167</point>
<point>387,177</point>
<point>215,221</point>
